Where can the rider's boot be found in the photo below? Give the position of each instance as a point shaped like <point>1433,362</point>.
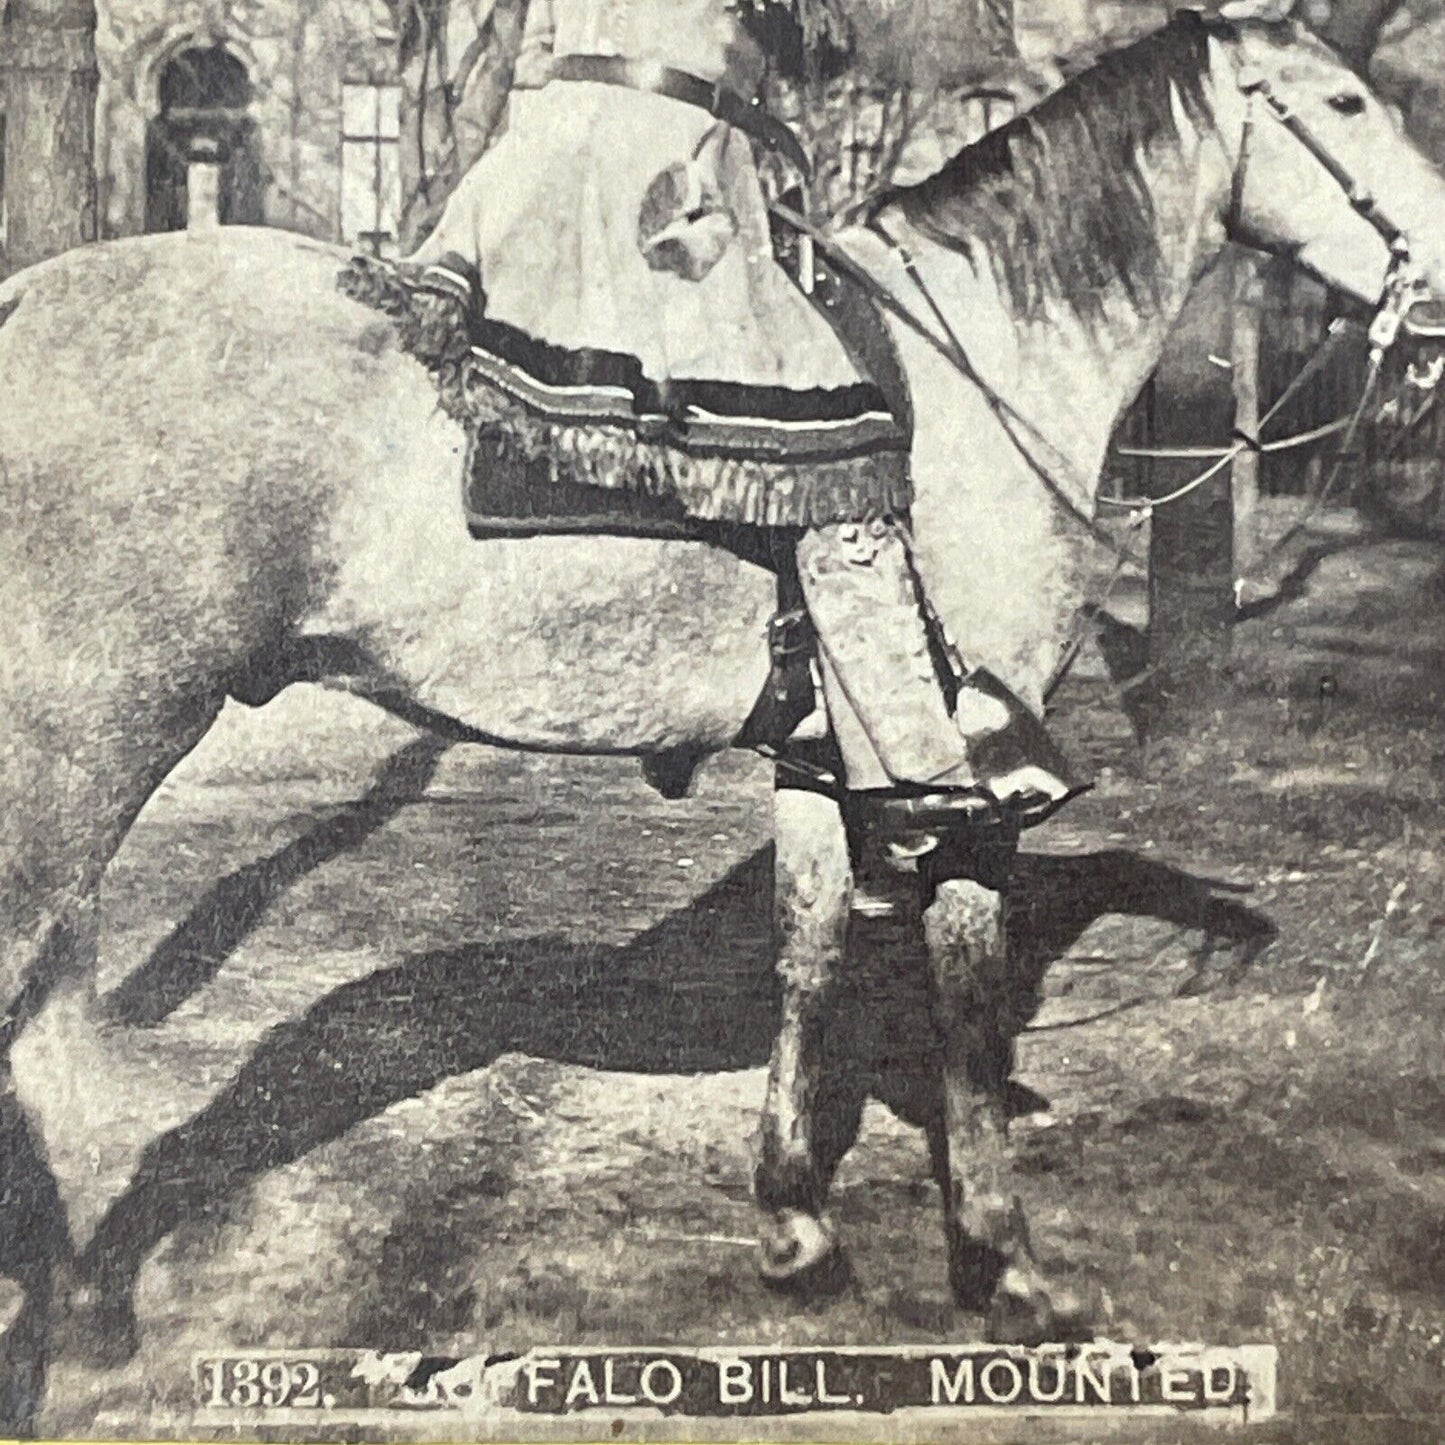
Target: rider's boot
<point>884,694</point>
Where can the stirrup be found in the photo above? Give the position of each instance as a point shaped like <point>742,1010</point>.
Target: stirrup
<point>975,810</point>
<point>907,807</point>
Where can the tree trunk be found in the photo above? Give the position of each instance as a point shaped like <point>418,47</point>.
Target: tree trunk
<point>449,120</point>
<point>47,49</point>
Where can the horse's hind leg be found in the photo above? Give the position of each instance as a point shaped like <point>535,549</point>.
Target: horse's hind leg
<point>36,949</point>
<point>815,1098</point>
<point>71,783</point>
<point>991,1265</point>
<point>35,1244</point>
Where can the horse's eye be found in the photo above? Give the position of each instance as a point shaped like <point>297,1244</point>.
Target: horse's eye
<point>1348,102</point>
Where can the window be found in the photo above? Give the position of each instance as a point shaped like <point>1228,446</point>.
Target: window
<point>371,166</point>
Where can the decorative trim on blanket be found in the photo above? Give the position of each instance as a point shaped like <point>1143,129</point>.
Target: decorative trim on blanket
<point>762,456</point>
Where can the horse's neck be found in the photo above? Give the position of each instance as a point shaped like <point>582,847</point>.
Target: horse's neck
<point>1065,373</point>
<point>1085,372</point>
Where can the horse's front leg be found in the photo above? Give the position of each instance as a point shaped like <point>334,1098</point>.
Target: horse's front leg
<point>991,1265</point>
<point>815,1094</point>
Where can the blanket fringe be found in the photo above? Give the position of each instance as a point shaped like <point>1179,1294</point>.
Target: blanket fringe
<point>746,490</point>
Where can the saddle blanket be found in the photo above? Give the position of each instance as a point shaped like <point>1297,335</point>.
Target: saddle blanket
<point>581,442</point>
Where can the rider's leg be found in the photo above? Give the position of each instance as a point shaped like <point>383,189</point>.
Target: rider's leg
<point>882,690</point>
<point>885,699</point>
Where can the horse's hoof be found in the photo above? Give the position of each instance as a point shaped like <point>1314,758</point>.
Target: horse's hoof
<point>1027,1310</point>
<point>801,1256</point>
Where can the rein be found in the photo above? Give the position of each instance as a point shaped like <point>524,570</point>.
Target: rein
<point>1221,457</point>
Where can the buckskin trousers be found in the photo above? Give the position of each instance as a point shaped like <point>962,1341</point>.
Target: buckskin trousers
<point>884,697</point>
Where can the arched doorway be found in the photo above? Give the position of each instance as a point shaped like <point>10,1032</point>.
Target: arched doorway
<point>204,94</point>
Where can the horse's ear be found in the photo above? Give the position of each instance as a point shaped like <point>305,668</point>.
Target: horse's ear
<point>1224,19</point>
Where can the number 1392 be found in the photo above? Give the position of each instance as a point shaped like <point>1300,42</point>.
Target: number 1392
<point>265,1384</point>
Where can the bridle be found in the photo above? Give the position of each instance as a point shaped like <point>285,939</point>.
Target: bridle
<point>1256,87</point>
<point>1403,288</point>
<point>1404,283</point>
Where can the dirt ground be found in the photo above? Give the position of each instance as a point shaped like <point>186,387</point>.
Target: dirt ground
<point>454,1050</point>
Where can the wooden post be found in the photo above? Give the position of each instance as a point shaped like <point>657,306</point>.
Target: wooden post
<point>47,51</point>
<point>1247,310</point>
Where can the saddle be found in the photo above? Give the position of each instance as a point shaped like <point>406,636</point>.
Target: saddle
<point>508,497</point>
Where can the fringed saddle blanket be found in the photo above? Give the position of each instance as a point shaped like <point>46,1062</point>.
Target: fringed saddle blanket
<point>585,438</point>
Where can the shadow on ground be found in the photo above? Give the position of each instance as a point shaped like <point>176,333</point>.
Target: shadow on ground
<point>694,994</point>
<point>191,955</point>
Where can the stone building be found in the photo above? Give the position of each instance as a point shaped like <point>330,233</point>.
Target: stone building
<point>291,109</point>
<point>292,113</point>
<point>298,113</point>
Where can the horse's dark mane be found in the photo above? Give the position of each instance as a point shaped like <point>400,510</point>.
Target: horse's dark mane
<point>1057,201</point>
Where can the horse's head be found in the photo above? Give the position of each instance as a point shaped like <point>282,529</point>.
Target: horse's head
<point>1323,170</point>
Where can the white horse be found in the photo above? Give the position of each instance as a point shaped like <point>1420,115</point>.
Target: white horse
<point>219,473</point>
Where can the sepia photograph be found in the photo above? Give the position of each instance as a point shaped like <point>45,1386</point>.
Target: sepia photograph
<point>722,720</point>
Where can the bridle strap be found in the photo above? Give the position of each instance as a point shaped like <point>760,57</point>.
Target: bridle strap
<point>1258,86</point>
<point>1402,286</point>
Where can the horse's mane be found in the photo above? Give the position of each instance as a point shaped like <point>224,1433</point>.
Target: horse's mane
<point>1057,201</point>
